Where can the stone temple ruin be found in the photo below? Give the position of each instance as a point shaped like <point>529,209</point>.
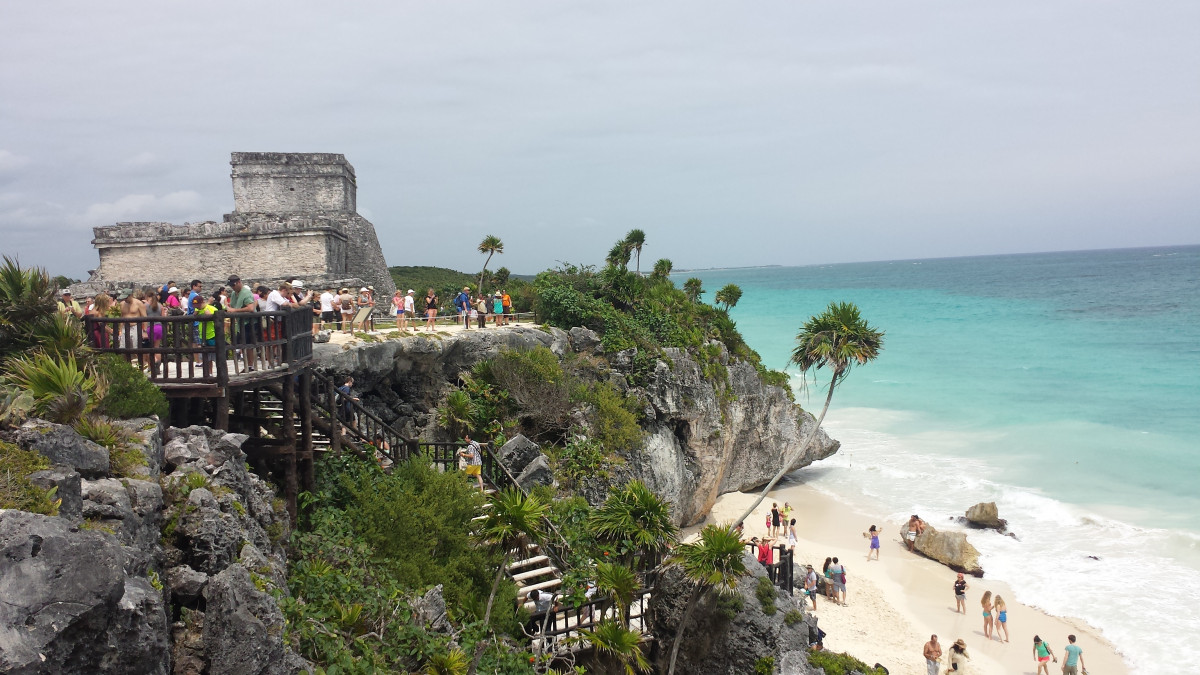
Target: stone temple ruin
<point>295,215</point>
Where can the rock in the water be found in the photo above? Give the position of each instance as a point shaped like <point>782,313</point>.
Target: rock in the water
<point>715,644</point>
<point>985,514</point>
<point>949,548</point>
<point>69,605</point>
<point>536,473</point>
<point>63,445</point>
<point>243,627</point>
<point>69,487</point>
<point>518,453</point>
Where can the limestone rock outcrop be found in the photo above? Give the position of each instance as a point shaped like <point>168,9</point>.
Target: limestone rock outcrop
<point>949,548</point>
<point>63,446</point>
<point>986,515</point>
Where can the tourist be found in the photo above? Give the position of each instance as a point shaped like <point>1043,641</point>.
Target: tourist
<point>153,335</point>
<point>1042,654</point>
<point>765,553</point>
<point>506,305</point>
<point>791,534</point>
<point>218,300</point>
<point>129,334</point>
<point>175,305</point>
<point>327,315</point>
<point>786,512</point>
<point>208,331</point>
<point>346,394</point>
<point>828,577</point>
<point>838,572</point>
<point>431,309</point>
<point>498,308</point>
<point>473,454</point>
<point>410,307</point>
<point>913,529</point>
<point>810,586</point>
<point>932,654</point>
<point>774,519</point>
<point>958,657</point>
<point>544,608</point>
<point>398,308</point>
<point>481,310</point>
<point>99,335</point>
<point>960,594</point>
<point>194,290</point>
<point>874,549</point>
<point>1001,623</point>
<point>346,303</point>
<point>69,307</point>
<point>462,302</point>
<point>165,291</point>
<point>366,298</point>
<point>1074,661</point>
<point>246,328</point>
<point>986,602</point>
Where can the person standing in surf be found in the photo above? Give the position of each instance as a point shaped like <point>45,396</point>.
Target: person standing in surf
<point>874,549</point>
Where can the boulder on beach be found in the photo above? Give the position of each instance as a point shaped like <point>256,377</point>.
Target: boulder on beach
<point>949,548</point>
<point>986,515</point>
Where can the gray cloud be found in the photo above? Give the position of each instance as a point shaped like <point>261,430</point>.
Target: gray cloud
<point>779,133</point>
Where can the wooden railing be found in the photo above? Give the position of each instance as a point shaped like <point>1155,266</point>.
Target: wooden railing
<point>177,350</point>
<point>781,572</point>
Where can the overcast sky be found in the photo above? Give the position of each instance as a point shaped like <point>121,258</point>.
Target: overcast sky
<point>732,133</point>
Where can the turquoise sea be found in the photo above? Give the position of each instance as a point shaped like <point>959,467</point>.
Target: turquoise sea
<point>1063,386</point>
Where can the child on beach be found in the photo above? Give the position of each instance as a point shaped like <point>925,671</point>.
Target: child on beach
<point>1042,654</point>
<point>986,602</point>
<point>1001,618</point>
<point>874,535</point>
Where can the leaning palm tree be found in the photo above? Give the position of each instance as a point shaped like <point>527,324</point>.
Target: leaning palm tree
<point>712,561</point>
<point>638,516</point>
<point>693,288</point>
<point>615,642</point>
<point>662,269</point>
<point>490,245</point>
<point>634,241</point>
<point>728,296</point>
<point>618,255</point>
<point>619,584</point>
<point>515,520</point>
<point>837,339</point>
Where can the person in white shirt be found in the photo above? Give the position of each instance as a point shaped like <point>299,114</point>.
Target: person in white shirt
<point>280,298</point>
<point>410,307</point>
<point>327,315</point>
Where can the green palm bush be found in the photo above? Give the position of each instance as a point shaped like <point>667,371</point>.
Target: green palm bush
<point>714,561</point>
<point>618,645</point>
<point>636,521</point>
<point>619,584</point>
<point>61,389</point>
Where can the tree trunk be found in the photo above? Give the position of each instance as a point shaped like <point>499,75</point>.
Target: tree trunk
<point>484,271</point>
<point>687,614</point>
<point>788,460</point>
<point>487,616</point>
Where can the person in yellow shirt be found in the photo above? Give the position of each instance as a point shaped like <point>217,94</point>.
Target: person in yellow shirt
<point>69,307</point>
<point>207,329</point>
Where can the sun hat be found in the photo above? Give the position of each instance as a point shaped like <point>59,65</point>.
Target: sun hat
<point>411,291</point>
<point>65,291</point>
<point>959,643</point>
<point>173,289</point>
<point>364,288</point>
<point>298,284</point>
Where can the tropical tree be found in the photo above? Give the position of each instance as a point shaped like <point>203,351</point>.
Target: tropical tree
<point>513,522</point>
<point>27,306</point>
<point>453,662</point>
<point>728,296</point>
<point>838,339</point>
<point>619,584</point>
<point>693,288</point>
<point>637,519</point>
<point>490,245</point>
<point>662,269</point>
<point>614,642</point>
<point>634,240</point>
<point>618,255</point>
<point>458,413</point>
<point>714,561</point>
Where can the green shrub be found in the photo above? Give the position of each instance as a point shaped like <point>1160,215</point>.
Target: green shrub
<point>581,458</point>
<point>62,391</point>
<point>16,490</point>
<point>840,664</point>
<point>129,393</point>
<point>125,461</point>
<point>764,666</point>
<point>766,593</point>
<point>614,421</point>
<point>728,605</point>
<point>793,617</point>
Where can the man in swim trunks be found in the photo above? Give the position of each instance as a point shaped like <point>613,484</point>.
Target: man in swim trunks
<point>960,594</point>
<point>1074,660</point>
<point>913,529</point>
<point>932,653</point>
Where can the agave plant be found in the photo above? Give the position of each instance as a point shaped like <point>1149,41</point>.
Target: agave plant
<point>26,302</point>
<point>453,662</point>
<point>62,391</point>
<point>618,645</point>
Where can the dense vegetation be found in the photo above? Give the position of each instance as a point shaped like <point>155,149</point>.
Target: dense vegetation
<point>447,283</point>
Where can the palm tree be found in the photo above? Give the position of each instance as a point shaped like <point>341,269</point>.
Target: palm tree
<point>26,306</point>
<point>634,241</point>
<point>662,269</point>
<point>728,295</point>
<point>837,339</point>
<point>638,516</point>
<point>490,245</point>
<point>693,289</point>
<point>712,561</point>
<point>613,641</point>
<point>618,255</point>
<point>457,414</point>
<point>514,520</point>
<point>619,584</point>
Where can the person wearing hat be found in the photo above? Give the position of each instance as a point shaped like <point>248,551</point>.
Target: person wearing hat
<point>958,657</point>
<point>410,307</point>
<point>243,304</point>
<point>346,305</point>
<point>810,585</point>
<point>498,308</point>
<point>462,303</point>
<point>68,306</point>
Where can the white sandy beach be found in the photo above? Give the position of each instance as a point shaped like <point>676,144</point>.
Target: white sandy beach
<point>896,603</point>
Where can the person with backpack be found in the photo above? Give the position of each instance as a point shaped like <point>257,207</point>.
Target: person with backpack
<point>837,572</point>
<point>473,454</point>
<point>462,303</point>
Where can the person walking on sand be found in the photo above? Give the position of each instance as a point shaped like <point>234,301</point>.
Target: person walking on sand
<point>774,519</point>
<point>932,654</point>
<point>958,657</point>
<point>1074,661</point>
<point>986,602</point>
<point>960,594</point>
<point>791,534</point>
<point>1042,654</point>
<point>874,549</point>
<point>913,529</point>
<point>838,571</point>
<point>1001,623</point>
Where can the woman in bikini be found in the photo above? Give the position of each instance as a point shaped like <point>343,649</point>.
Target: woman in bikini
<point>1001,618</point>
<point>986,601</point>
<point>1042,654</point>
<point>431,309</point>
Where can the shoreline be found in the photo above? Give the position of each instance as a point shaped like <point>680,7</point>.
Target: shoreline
<point>896,603</point>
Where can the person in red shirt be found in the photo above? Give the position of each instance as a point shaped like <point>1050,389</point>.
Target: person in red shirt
<point>766,555</point>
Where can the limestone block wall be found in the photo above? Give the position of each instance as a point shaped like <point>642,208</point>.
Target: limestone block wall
<point>364,257</point>
<point>284,183</point>
<point>298,256</point>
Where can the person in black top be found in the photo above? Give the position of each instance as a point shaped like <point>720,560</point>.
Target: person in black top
<point>774,519</point>
<point>960,594</point>
<point>431,309</point>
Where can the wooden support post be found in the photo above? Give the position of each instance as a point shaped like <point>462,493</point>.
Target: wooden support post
<point>291,486</point>
<point>335,427</point>
<point>307,480</point>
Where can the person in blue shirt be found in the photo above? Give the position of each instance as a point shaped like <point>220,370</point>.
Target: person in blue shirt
<point>1074,660</point>
<point>462,302</point>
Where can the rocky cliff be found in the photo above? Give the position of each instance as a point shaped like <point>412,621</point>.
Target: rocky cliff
<point>704,435</point>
